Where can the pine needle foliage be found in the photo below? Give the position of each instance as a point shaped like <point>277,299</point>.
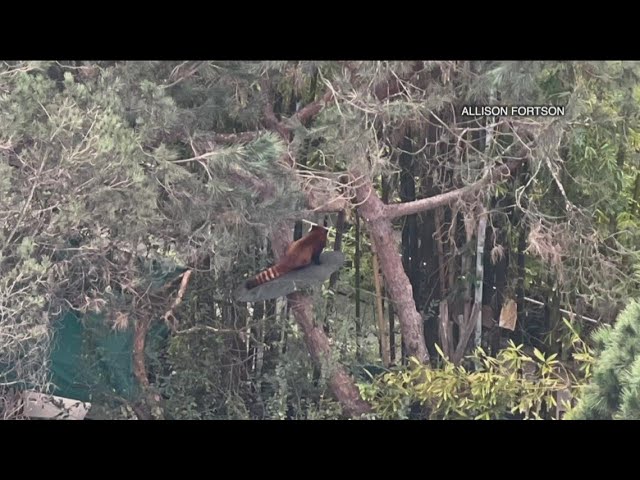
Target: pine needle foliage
<point>614,392</point>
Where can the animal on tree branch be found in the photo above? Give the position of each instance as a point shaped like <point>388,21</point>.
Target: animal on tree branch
<point>299,254</point>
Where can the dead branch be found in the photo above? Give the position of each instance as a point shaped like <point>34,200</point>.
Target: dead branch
<point>169,317</point>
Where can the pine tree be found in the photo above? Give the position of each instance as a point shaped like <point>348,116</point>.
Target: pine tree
<point>614,393</point>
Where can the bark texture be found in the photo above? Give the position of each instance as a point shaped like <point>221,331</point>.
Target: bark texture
<point>400,290</point>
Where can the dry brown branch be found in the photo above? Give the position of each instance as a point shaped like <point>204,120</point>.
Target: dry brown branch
<point>27,202</point>
<point>169,317</point>
<point>308,112</point>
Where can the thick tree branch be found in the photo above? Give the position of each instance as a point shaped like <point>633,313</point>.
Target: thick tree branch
<point>341,384</point>
<point>400,290</point>
<point>497,175</point>
<point>306,114</point>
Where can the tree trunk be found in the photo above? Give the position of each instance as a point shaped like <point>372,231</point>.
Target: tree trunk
<point>337,246</point>
<point>400,290</point>
<point>475,321</point>
<point>340,382</point>
<point>501,270</point>
<point>482,233</point>
<point>392,335</point>
<point>151,398</point>
<point>386,190</point>
<point>342,386</point>
<point>522,246</point>
<point>636,195</point>
<point>357,299</point>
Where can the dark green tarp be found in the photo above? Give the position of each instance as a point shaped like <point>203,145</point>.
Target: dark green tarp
<point>90,358</point>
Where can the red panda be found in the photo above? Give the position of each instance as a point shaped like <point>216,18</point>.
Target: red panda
<point>299,254</point>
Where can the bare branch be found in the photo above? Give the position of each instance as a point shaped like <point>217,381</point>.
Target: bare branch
<point>28,200</point>
<point>496,175</point>
<point>183,287</point>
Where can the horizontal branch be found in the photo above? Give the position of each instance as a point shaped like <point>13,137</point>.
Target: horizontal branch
<point>497,175</point>
<point>308,112</point>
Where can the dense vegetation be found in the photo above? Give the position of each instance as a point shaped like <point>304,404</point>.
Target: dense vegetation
<point>481,251</point>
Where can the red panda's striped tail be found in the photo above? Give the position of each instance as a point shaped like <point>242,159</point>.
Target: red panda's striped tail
<point>265,276</point>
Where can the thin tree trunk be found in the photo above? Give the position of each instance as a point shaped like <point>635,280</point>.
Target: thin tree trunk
<point>258,347</point>
<point>445,327</point>
<point>429,271</point>
<point>337,247</point>
<point>467,269</point>
<point>620,158</point>
<point>386,190</point>
<point>482,232</point>
<point>501,270</point>
<point>475,320</point>
<point>357,299</point>
<point>333,280</point>
<point>392,334</point>
<point>522,246</point>
<point>636,195</point>
<point>555,319</point>
<point>382,330</point>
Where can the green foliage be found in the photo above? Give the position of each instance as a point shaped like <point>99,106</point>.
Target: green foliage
<point>207,376</point>
<point>511,385</point>
<point>614,392</point>
<point>112,171</point>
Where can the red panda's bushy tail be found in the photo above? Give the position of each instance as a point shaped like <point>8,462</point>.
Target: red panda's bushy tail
<point>265,276</point>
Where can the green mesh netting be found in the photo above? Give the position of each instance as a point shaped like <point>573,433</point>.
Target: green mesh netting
<point>89,358</point>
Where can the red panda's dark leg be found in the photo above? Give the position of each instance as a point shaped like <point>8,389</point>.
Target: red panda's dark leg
<point>316,258</point>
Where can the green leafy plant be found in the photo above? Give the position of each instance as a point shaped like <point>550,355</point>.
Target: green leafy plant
<point>511,385</point>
